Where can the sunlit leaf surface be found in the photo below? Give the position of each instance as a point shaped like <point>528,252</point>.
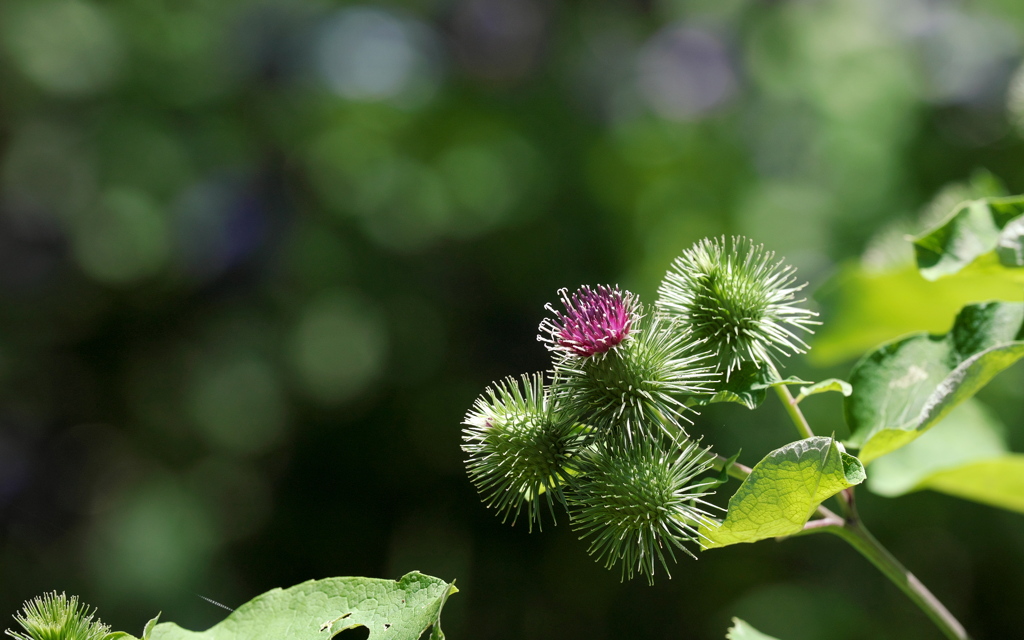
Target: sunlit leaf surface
<point>783,490</point>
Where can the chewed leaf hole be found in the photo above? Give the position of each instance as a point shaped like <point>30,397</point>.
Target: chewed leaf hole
<point>330,623</point>
<point>387,625</point>
<point>426,633</point>
<point>355,633</point>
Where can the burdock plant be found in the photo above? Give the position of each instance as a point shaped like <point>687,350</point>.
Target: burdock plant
<point>601,434</point>
<point>605,435</point>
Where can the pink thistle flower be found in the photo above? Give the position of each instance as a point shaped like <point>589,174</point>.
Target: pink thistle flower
<point>594,321</point>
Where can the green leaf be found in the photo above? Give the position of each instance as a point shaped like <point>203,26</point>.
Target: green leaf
<point>903,388</point>
<point>748,386</point>
<point>741,630</point>
<point>863,308</point>
<point>783,490</point>
<point>963,455</point>
<point>320,609</point>
<point>970,231</point>
<point>969,433</point>
<point>1010,248</point>
<point>998,482</point>
<point>832,384</point>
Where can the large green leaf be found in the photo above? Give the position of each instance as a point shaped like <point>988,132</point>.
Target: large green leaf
<point>973,229</point>
<point>320,609</point>
<point>783,490</point>
<point>741,630</point>
<point>903,388</point>
<point>998,482</point>
<point>863,308</point>
<point>969,433</point>
<point>963,455</point>
<point>883,295</point>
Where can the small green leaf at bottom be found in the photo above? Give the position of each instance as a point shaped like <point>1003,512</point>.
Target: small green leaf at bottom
<point>147,631</point>
<point>741,630</point>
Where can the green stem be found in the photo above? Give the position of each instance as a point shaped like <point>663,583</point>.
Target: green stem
<point>853,532</point>
<point>849,528</point>
<point>803,427</point>
<point>793,410</point>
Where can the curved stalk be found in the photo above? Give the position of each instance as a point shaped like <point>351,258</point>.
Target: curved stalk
<point>793,410</point>
<point>803,427</point>
<point>797,416</point>
<point>850,528</point>
<point>854,533</point>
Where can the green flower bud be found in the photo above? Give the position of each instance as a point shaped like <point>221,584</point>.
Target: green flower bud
<point>520,447</point>
<point>738,301</point>
<point>57,617</point>
<point>639,503</point>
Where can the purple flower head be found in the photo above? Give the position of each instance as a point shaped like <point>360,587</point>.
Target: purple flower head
<point>595,320</point>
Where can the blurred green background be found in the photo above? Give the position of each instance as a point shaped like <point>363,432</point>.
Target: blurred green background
<point>258,257</point>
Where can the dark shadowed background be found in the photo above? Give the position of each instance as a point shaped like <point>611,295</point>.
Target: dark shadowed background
<point>257,258</point>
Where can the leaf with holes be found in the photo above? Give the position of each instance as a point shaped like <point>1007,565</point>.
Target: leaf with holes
<point>783,490</point>
<point>320,609</point>
<point>903,388</point>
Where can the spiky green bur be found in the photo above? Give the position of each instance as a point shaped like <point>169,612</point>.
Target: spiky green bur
<point>520,447</point>
<point>640,503</point>
<point>57,617</point>
<point>739,300</point>
<point>639,387</point>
